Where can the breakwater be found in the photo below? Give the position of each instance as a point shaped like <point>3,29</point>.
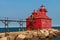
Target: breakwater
<point>44,34</point>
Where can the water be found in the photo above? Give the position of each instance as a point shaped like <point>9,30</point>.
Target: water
<point>14,29</point>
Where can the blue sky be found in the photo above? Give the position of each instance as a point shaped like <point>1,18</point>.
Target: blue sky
<point>24,8</point>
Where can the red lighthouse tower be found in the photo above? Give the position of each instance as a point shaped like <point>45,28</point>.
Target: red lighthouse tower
<point>38,20</point>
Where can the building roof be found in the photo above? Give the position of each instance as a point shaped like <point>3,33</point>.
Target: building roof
<point>35,14</point>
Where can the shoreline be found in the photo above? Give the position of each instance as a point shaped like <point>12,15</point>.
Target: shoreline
<point>29,34</point>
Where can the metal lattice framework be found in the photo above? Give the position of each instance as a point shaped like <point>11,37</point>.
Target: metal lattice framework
<point>6,22</point>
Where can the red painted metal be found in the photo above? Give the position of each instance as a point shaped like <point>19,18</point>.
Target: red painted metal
<point>38,20</point>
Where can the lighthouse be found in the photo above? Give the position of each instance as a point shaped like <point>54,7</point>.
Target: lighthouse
<point>38,19</point>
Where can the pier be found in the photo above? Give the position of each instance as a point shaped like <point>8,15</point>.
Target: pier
<point>44,34</point>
